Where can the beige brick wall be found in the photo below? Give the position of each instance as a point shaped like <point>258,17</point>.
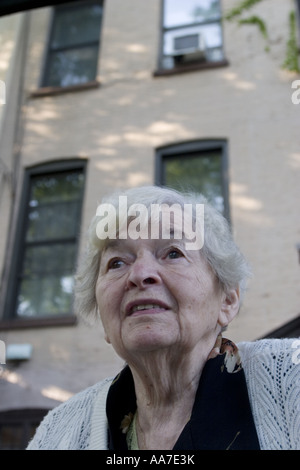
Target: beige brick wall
<point>117,128</point>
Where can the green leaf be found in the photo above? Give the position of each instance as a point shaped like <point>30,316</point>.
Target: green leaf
<point>292,54</point>
<point>237,11</point>
<point>255,20</point>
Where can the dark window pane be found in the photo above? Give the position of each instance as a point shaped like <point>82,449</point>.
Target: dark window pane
<point>47,283</point>
<point>64,221</point>
<point>197,172</point>
<point>54,206</point>
<point>72,67</point>
<point>55,187</point>
<point>76,26</point>
<point>49,259</point>
<point>45,296</point>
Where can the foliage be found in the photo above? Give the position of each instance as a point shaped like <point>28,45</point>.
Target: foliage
<point>291,61</point>
<point>258,22</point>
<point>237,11</point>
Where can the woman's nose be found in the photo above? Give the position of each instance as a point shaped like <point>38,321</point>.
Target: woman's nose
<point>143,273</point>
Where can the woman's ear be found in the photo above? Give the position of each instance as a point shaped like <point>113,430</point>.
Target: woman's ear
<point>229,307</point>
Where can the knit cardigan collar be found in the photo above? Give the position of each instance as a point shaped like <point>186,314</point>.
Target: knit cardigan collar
<point>221,416</point>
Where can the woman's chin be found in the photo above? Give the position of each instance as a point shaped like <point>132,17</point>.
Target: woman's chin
<point>150,339</point>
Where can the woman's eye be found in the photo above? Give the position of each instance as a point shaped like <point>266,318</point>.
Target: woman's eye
<point>174,253</point>
<point>115,264</point>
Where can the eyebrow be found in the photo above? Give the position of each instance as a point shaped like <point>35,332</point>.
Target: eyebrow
<point>112,243</point>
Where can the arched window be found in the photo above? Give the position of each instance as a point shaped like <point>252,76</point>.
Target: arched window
<point>199,166</point>
<point>45,253</point>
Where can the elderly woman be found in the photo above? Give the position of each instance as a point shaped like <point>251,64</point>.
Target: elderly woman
<point>165,294</point>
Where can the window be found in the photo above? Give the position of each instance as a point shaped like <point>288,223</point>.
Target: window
<point>199,166</point>
<point>45,257</point>
<point>74,44</point>
<point>192,33</point>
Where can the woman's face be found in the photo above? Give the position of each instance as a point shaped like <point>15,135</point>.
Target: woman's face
<point>156,294</point>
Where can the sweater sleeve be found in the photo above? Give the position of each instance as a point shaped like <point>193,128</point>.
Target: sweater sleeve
<point>69,425</point>
<point>272,370</point>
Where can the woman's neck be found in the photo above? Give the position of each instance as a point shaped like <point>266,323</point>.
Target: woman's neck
<point>165,390</point>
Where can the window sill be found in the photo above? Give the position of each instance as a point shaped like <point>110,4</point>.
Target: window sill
<point>52,91</point>
<point>14,324</point>
<point>190,68</point>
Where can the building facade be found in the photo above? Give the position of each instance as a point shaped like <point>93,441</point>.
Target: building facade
<point>106,95</point>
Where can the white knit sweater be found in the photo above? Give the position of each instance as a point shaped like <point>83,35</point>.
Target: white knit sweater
<point>272,370</point>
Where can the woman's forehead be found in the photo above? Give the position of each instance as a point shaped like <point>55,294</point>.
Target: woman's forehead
<point>128,243</point>
<point>161,223</point>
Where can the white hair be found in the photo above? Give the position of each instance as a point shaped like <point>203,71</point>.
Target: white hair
<point>219,248</point>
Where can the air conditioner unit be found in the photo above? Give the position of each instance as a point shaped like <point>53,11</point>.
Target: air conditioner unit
<point>189,47</point>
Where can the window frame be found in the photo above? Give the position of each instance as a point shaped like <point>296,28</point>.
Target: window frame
<point>44,88</point>
<point>196,65</point>
<point>188,148</point>
<point>10,319</point>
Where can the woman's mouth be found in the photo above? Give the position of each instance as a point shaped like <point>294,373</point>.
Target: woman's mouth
<point>139,307</point>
